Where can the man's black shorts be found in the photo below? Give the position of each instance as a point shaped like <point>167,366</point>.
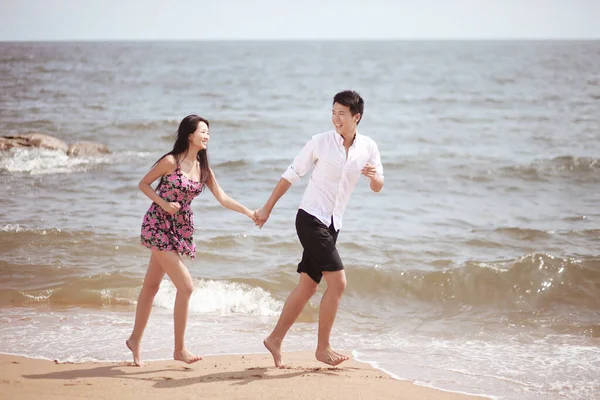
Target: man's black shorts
<point>318,242</point>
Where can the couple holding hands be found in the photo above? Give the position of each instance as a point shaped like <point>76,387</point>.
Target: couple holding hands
<point>338,158</point>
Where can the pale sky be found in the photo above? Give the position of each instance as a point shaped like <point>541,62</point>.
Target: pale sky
<point>298,19</point>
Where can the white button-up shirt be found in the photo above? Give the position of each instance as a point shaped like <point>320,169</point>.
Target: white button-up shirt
<point>334,176</point>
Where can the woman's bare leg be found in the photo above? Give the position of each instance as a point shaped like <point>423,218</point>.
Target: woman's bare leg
<point>154,275</point>
<point>173,265</point>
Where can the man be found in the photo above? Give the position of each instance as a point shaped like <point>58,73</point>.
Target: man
<point>338,158</point>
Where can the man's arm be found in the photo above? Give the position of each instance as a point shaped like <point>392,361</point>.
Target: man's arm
<point>263,214</point>
<point>301,165</point>
<point>370,171</point>
<point>376,184</point>
<point>374,170</point>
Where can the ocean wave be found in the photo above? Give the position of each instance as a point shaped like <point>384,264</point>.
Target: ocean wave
<point>12,228</point>
<point>535,234</point>
<point>229,123</point>
<point>523,233</point>
<point>37,161</point>
<point>232,164</point>
<point>217,125</point>
<point>564,166</point>
<point>533,281</point>
<point>167,124</point>
<point>222,298</point>
<point>66,289</point>
<point>23,231</point>
<point>117,290</point>
<point>466,120</point>
<point>63,246</point>
<point>9,58</point>
<point>43,161</point>
<point>403,163</point>
<point>578,169</point>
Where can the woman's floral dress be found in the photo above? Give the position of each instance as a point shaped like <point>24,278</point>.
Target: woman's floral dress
<point>165,232</point>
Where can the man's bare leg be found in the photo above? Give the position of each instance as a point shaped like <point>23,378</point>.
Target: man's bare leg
<point>154,275</point>
<point>180,276</point>
<point>291,310</point>
<point>336,283</point>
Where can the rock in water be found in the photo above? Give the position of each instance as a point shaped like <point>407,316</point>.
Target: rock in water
<point>33,140</point>
<point>87,149</point>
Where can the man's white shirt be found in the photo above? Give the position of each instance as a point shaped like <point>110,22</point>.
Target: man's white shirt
<point>334,176</point>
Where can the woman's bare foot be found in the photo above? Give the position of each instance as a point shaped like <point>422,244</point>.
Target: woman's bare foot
<point>330,357</point>
<point>185,356</point>
<point>274,348</point>
<point>134,346</point>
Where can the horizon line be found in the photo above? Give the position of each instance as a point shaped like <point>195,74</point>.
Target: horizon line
<point>491,39</point>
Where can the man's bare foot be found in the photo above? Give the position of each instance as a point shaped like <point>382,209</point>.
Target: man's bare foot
<point>185,356</point>
<point>330,357</point>
<point>275,350</point>
<point>134,346</point>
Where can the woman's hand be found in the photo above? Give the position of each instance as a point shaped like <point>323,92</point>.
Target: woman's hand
<point>171,208</point>
<point>261,216</point>
<point>250,214</point>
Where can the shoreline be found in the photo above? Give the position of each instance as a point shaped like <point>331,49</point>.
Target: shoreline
<point>375,365</point>
<point>240,376</point>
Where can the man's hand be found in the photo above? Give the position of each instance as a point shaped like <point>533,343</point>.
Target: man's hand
<point>261,216</point>
<point>369,171</point>
<point>376,182</point>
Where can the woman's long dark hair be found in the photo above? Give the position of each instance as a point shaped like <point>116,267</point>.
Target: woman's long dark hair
<point>181,147</point>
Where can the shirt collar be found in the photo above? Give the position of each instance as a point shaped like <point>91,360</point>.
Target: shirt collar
<point>340,139</point>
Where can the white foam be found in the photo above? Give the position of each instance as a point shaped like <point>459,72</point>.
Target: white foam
<point>11,228</point>
<point>42,161</point>
<point>79,335</point>
<point>358,357</point>
<point>222,298</point>
<point>38,161</point>
<point>44,295</point>
<point>500,363</point>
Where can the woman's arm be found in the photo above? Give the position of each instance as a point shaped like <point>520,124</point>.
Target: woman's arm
<point>224,199</point>
<point>164,167</point>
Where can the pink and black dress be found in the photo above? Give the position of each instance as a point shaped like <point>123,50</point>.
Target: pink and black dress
<point>165,232</point>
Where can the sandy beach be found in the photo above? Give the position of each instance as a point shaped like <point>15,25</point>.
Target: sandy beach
<point>215,377</point>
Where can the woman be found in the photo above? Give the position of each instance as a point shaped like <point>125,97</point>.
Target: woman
<point>168,227</point>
